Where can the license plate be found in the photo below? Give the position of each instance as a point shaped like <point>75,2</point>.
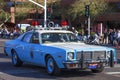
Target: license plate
<point>92,66</point>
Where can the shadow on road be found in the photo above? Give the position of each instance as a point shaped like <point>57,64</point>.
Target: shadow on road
<point>33,71</point>
<point>3,55</point>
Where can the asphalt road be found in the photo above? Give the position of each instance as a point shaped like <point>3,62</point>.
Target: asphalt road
<point>32,72</point>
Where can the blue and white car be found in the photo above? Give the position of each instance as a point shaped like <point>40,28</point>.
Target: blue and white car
<point>57,50</point>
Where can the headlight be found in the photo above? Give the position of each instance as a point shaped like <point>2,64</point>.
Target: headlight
<point>70,55</point>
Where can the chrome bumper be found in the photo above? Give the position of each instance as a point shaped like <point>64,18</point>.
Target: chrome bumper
<point>84,64</point>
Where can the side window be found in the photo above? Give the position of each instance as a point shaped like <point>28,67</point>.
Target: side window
<point>27,37</point>
<point>35,38</point>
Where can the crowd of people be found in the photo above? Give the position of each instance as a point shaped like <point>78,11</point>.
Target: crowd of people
<point>112,37</point>
<point>6,34</point>
<point>109,36</point>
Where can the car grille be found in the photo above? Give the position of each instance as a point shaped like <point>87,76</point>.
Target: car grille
<point>91,55</point>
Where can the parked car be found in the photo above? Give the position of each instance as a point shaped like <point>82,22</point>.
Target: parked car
<point>57,50</point>
<point>23,27</point>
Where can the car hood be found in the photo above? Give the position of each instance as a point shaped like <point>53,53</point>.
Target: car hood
<point>78,46</point>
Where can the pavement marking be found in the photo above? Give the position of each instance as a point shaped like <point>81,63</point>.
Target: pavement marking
<point>1,73</point>
<point>112,73</point>
<point>115,66</point>
<point>18,72</point>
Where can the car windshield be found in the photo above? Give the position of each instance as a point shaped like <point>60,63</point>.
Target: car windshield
<point>58,37</point>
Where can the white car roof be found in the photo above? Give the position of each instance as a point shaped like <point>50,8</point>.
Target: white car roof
<point>53,31</point>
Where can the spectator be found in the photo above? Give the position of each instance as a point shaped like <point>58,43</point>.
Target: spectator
<point>28,28</point>
<point>115,34</point>
<point>74,31</point>
<point>118,37</point>
<point>110,36</point>
<point>105,37</point>
<point>96,38</point>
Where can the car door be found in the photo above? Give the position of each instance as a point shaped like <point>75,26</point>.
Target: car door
<point>24,47</point>
<point>35,52</point>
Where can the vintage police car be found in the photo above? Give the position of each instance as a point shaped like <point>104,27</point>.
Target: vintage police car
<point>57,50</point>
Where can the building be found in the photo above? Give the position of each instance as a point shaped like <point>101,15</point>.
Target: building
<point>109,20</point>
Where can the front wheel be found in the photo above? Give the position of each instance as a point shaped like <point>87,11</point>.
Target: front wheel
<point>98,70</point>
<point>51,66</point>
<point>15,60</point>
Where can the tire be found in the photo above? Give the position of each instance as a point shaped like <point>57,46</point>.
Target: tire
<point>98,70</point>
<point>15,60</point>
<point>51,66</point>
<point>111,59</point>
<point>5,53</point>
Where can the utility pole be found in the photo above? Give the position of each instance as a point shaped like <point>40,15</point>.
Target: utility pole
<point>89,25</point>
<point>45,10</point>
<point>45,13</point>
<point>87,14</point>
<point>37,11</point>
<point>13,11</point>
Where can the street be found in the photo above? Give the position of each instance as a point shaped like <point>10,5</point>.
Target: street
<point>32,72</point>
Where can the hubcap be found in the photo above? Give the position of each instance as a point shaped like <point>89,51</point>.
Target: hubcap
<point>14,58</point>
<point>50,65</point>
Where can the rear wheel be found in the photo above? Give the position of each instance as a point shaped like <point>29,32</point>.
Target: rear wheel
<point>15,60</point>
<point>5,52</point>
<point>51,66</point>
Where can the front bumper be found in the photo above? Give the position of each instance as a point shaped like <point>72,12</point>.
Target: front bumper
<point>91,60</point>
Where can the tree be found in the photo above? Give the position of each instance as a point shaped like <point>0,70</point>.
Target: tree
<point>55,8</point>
<point>4,16</point>
<point>23,9</point>
<point>77,9</point>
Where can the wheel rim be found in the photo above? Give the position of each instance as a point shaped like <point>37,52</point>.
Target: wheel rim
<point>14,58</point>
<point>50,65</point>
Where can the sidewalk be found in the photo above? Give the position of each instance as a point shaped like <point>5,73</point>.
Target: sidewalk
<point>4,39</point>
<point>108,45</point>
